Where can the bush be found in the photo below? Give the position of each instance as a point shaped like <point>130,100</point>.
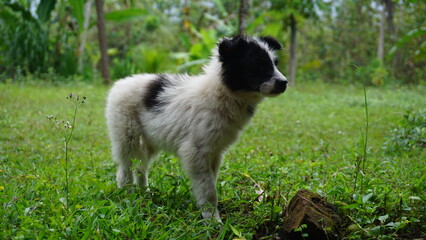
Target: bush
<point>141,59</point>
<point>374,72</point>
<point>410,134</point>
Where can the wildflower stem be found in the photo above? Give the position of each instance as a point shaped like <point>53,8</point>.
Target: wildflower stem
<point>67,135</point>
<point>67,140</point>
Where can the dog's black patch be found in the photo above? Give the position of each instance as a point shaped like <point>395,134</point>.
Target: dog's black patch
<point>245,64</point>
<point>151,99</point>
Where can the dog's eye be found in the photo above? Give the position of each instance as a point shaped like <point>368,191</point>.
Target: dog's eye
<point>276,62</point>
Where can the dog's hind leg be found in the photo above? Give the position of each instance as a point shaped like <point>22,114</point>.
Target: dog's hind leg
<point>124,140</point>
<point>144,155</point>
<point>122,155</point>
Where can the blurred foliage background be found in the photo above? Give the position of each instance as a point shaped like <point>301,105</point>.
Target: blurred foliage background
<point>375,42</point>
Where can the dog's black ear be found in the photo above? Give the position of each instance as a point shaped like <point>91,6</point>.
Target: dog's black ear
<point>229,46</point>
<point>272,42</point>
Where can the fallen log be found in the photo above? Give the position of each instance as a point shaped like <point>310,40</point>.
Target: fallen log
<point>310,216</point>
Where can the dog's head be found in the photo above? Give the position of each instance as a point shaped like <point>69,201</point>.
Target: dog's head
<point>249,64</point>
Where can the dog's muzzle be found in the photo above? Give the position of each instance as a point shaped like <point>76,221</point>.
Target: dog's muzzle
<point>280,83</point>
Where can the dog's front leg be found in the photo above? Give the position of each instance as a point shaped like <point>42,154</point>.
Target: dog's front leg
<point>204,188</point>
<point>196,161</point>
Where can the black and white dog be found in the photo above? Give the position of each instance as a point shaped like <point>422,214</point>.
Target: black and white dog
<point>195,117</point>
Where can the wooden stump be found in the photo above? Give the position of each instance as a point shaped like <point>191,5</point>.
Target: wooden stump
<point>310,216</point>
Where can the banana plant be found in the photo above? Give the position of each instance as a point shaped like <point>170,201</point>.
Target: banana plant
<point>420,52</point>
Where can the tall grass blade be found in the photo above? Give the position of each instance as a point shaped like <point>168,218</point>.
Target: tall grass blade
<point>364,158</point>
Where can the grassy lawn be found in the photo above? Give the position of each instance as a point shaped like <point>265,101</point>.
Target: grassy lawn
<point>308,138</point>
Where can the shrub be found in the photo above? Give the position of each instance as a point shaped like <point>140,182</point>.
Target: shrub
<point>374,72</point>
<point>410,134</point>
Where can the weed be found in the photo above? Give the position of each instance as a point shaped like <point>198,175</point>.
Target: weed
<point>66,130</point>
<point>361,159</point>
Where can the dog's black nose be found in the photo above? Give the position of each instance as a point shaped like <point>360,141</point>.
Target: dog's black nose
<point>280,86</point>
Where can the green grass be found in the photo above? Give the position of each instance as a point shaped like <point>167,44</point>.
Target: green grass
<point>308,138</point>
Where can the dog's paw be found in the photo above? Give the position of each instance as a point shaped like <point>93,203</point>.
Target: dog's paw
<point>212,215</point>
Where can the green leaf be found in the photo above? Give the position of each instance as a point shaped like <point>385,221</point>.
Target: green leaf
<point>125,15</point>
<point>351,206</point>
<point>383,218</point>
<point>366,197</point>
<point>78,12</point>
<point>273,29</point>
<point>44,9</point>
<point>185,40</point>
<point>415,198</point>
<point>235,231</point>
<point>221,8</point>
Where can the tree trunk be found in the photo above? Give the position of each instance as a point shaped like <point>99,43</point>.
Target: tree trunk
<point>389,7</point>
<point>83,36</point>
<point>102,41</point>
<point>381,41</point>
<point>128,29</point>
<point>320,217</point>
<point>185,19</point>
<point>244,7</point>
<point>292,66</point>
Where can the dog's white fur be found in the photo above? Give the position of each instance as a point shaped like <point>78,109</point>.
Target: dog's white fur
<point>201,120</point>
